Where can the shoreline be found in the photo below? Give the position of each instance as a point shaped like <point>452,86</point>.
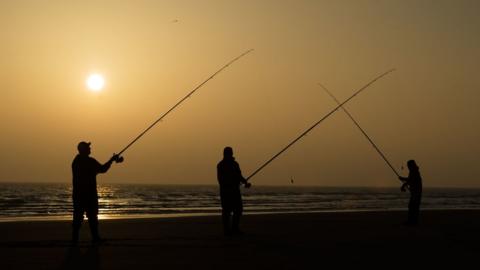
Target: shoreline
<point>184,215</point>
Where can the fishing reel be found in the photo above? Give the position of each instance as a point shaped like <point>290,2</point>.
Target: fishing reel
<point>117,158</point>
<point>405,187</point>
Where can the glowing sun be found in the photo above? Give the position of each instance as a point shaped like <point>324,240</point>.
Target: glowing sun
<point>95,82</point>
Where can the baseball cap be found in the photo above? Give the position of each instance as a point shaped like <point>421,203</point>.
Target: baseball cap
<point>83,145</point>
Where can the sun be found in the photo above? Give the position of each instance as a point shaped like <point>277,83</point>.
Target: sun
<point>95,82</point>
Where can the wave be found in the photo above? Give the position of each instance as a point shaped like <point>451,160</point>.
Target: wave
<point>54,200</point>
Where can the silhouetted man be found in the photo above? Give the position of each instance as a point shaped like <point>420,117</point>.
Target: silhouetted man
<point>85,198</point>
<point>414,183</point>
<point>230,178</point>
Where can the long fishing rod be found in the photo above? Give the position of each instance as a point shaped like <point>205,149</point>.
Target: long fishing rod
<point>318,122</point>
<point>361,129</point>
<point>183,99</point>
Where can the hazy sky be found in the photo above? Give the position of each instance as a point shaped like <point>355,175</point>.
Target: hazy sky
<point>153,52</point>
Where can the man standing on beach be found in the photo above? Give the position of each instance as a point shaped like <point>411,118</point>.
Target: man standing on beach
<point>85,197</point>
<point>414,183</point>
<point>230,178</point>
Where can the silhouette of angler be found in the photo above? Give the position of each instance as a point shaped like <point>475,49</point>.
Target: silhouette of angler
<point>414,183</point>
<point>85,197</point>
<point>230,178</point>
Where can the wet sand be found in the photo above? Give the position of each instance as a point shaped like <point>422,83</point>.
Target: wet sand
<point>277,241</point>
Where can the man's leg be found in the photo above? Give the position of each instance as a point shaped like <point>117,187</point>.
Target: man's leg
<point>236,221</point>
<point>92,214</point>
<point>226,212</point>
<point>415,209</point>
<point>77,221</point>
<point>237,214</point>
<point>226,221</point>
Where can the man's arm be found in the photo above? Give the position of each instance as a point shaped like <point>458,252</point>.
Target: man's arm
<point>104,168</point>
<point>242,179</point>
<point>219,175</point>
<point>406,184</point>
<point>75,171</point>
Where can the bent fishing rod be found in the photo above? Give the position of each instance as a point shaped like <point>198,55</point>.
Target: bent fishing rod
<point>361,129</point>
<point>317,123</point>
<point>182,100</point>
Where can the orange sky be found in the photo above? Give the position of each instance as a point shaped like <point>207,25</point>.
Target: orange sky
<point>426,110</point>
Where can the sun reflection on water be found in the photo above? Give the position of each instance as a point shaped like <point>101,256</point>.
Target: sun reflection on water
<point>106,196</point>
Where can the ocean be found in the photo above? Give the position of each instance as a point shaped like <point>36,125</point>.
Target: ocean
<point>53,201</point>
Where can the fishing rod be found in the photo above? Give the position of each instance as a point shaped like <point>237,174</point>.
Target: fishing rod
<point>361,129</point>
<point>318,122</point>
<point>183,99</point>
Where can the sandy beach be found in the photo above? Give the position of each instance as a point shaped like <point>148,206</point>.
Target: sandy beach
<point>280,241</point>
